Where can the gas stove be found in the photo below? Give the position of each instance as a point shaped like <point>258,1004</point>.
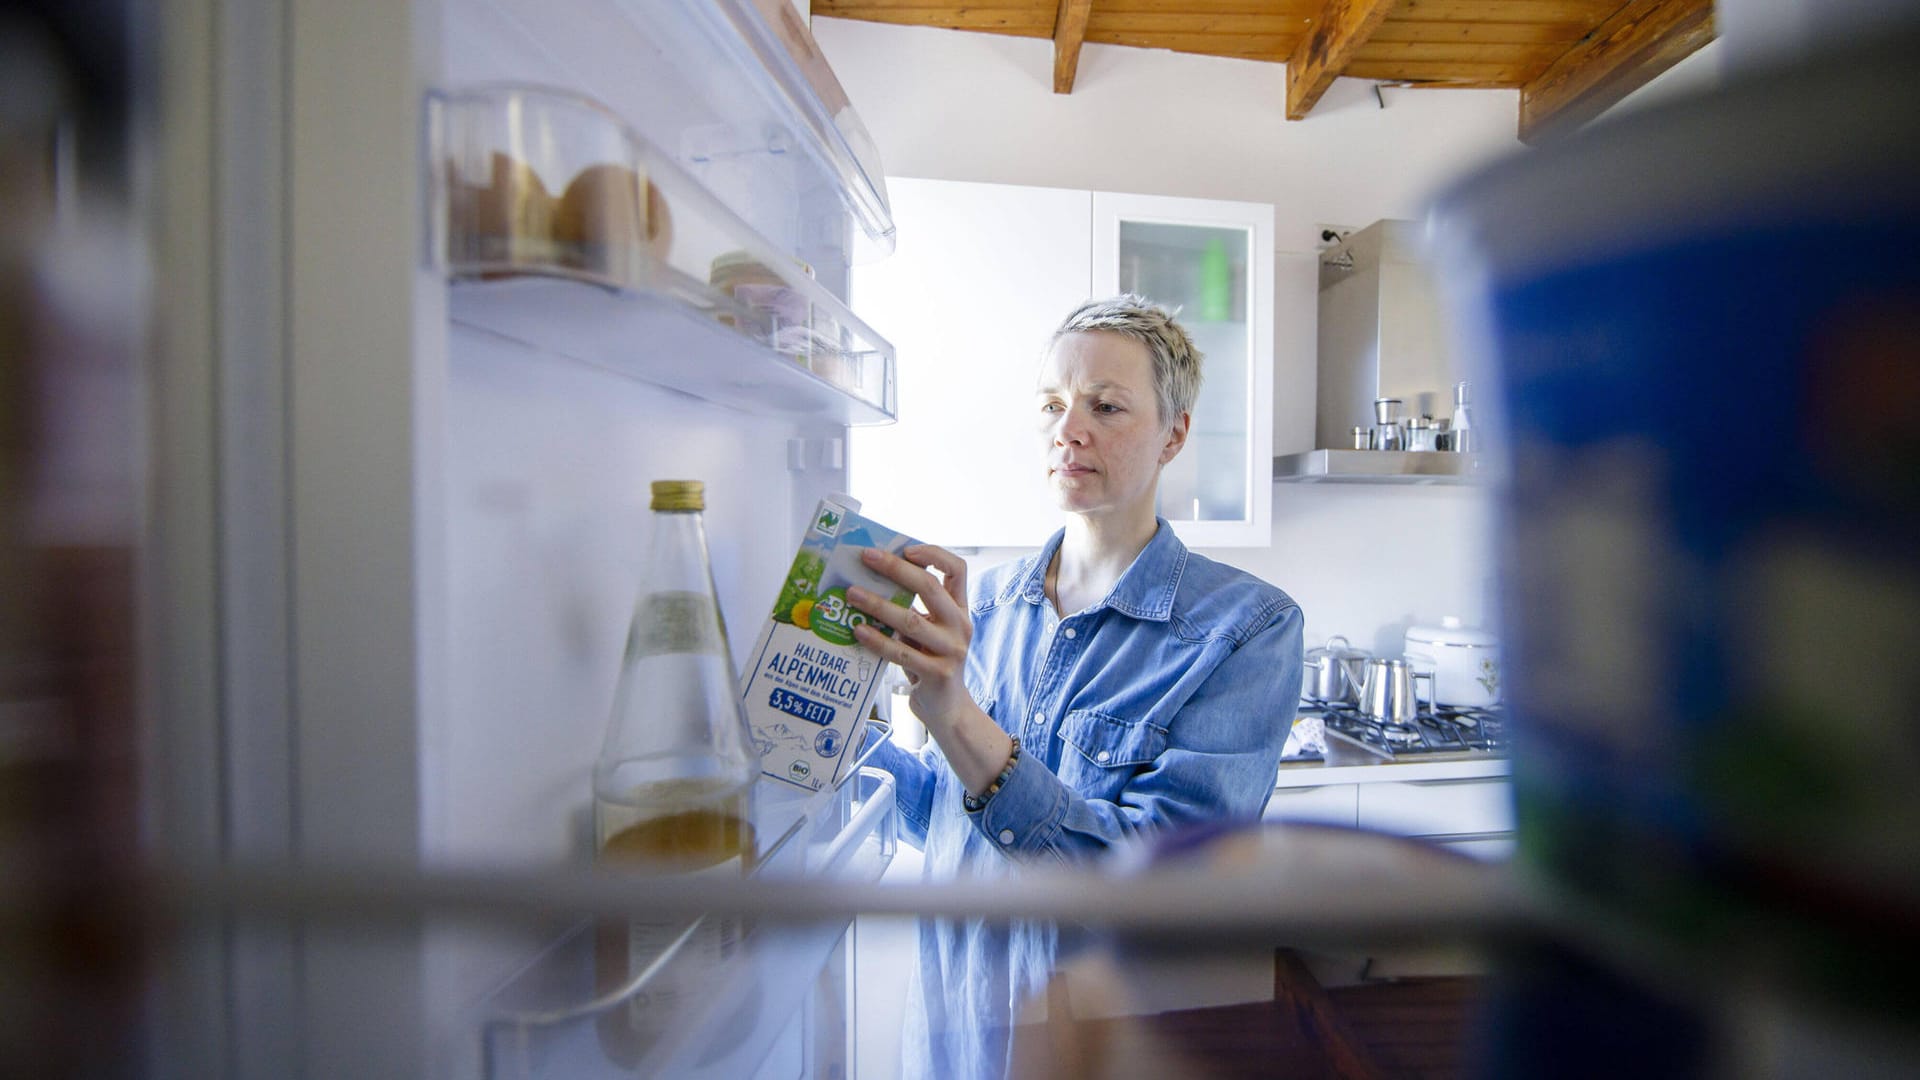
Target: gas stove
<point>1441,730</point>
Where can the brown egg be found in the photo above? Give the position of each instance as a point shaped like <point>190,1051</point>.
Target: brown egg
<point>509,220</point>
<point>603,227</point>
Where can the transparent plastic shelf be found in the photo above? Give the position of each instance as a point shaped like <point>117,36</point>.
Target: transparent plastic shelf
<point>556,1019</point>
<point>808,100</point>
<point>559,227</point>
<point>737,91</point>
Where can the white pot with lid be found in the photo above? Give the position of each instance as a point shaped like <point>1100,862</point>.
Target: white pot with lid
<point>1465,662</point>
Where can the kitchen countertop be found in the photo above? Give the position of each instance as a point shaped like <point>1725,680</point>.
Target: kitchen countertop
<point>1298,774</point>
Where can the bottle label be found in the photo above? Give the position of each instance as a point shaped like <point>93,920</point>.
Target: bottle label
<point>676,622</point>
<point>690,977</point>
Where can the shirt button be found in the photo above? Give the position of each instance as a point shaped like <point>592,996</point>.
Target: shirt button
<point>1006,836</point>
<point>1039,719</point>
<point>1102,756</point>
<point>1069,632</point>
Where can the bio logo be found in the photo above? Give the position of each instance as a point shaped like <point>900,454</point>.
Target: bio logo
<point>828,523</point>
<point>833,618</point>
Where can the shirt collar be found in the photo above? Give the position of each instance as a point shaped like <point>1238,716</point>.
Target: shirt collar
<point>1144,591</point>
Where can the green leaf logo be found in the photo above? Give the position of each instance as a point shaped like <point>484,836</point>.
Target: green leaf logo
<point>829,522</point>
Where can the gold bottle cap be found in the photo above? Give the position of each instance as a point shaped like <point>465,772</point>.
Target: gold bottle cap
<point>679,495</point>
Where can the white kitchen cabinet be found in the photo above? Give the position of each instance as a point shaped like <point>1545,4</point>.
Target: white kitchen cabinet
<point>1328,804</point>
<point>1464,806</point>
<point>981,276</point>
<point>1437,807</point>
<point>1213,261</point>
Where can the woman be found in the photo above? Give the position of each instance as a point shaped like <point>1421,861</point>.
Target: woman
<point>1112,684</point>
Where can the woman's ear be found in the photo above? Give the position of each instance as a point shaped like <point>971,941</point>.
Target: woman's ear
<point>1176,437</point>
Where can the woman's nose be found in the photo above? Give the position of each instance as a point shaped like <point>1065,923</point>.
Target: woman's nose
<point>1072,428</point>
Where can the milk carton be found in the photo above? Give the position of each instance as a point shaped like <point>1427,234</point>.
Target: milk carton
<point>808,683</point>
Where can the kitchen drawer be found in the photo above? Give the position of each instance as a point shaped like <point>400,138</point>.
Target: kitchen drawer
<point>1333,804</point>
<point>1436,807</point>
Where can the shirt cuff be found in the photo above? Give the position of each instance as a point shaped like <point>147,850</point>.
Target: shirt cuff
<point>1023,816</point>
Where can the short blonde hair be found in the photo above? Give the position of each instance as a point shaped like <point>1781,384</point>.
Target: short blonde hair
<point>1176,363</point>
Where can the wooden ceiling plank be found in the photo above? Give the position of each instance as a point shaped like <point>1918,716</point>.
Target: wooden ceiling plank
<point>1439,72</point>
<point>845,9</point>
<point>1641,40</point>
<point>1323,53</point>
<point>1069,30</point>
<point>1262,46</point>
<point>989,20</point>
<point>1128,22</point>
<point>873,10</point>
<point>1297,9</point>
<point>1588,13</point>
<point>1471,52</point>
<point>1561,34</point>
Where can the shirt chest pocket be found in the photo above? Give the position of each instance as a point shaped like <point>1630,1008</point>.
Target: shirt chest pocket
<point>1103,752</point>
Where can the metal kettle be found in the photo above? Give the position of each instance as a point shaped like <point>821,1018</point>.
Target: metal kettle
<point>1389,691</point>
<point>1333,671</point>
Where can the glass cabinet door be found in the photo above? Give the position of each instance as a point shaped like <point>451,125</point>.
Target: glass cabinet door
<point>1213,262</point>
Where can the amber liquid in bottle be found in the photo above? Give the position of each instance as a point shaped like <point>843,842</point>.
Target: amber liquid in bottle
<point>679,827</point>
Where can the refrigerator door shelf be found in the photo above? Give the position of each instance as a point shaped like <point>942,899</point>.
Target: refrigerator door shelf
<point>795,80</point>
<point>544,1022</point>
<point>564,229</point>
<point>716,83</point>
<point>676,338</point>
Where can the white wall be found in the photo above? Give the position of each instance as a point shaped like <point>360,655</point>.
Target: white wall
<point>946,105</point>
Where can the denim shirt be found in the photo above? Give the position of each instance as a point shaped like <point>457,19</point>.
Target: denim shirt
<point>1166,703</point>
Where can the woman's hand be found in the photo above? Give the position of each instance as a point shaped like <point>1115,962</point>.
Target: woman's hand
<point>932,647</point>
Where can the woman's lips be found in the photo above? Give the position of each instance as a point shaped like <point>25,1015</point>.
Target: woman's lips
<point>1071,470</point>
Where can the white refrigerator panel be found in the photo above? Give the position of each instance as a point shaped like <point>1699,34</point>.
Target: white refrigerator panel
<point>547,468</point>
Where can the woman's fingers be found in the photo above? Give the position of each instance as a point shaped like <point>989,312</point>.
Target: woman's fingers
<point>903,620</point>
<point>911,660</point>
<point>909,573</point>
<point>953,569</point>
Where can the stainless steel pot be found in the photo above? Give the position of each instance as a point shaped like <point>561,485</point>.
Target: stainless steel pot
<point>1389,691</point>
<point>1333,671</point>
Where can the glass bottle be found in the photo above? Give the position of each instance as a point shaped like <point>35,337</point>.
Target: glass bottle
<point>673,786</point>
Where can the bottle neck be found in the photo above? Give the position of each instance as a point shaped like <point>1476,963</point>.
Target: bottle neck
<point>677,561</point>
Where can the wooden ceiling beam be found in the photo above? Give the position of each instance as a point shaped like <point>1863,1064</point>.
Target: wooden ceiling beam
<point>1641,40</point>
<point>1323,52</point>
<point>1069,30</point>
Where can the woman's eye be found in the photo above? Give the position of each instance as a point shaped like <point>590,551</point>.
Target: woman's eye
<point>1107,407</point>
<point>1051,406</point>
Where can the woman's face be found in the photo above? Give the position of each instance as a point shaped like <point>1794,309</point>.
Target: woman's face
<point>1104,435</point>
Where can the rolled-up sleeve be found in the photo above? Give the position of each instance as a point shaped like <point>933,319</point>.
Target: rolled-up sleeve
<point>1221,754</point>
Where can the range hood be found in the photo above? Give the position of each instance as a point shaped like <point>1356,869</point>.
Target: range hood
<point>1381,335</point>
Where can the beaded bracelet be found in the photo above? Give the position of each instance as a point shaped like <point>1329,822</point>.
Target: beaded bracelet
<point>974,805</point>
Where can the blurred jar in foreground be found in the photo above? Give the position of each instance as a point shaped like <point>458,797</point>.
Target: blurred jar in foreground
<point>1711,638</point>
